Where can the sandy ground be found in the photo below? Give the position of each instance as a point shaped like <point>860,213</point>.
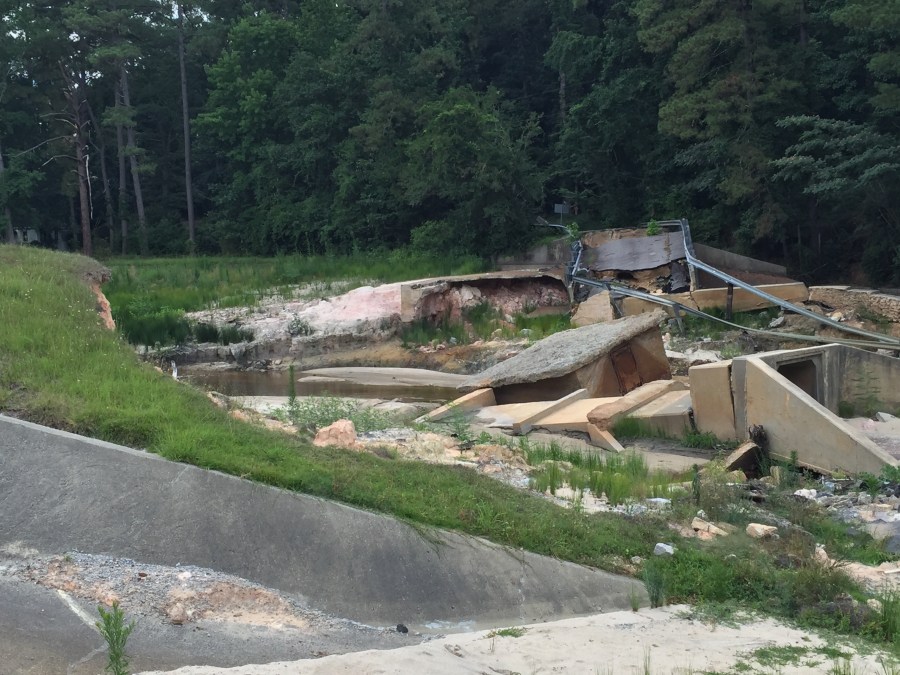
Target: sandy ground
<point>624,642</point>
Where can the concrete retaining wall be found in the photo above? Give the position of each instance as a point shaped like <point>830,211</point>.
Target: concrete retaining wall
<point>61,492</point>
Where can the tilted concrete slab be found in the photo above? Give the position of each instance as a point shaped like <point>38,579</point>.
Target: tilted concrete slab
<point>669,414</point>
<point>606,415</point>
<point>607,359</point>
<point>60,492</point>
<point>709,298</point>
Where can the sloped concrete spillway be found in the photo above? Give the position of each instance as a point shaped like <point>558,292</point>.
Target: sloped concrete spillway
<point>61,492</point>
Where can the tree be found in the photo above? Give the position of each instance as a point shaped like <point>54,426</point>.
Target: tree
<point>471,175</point>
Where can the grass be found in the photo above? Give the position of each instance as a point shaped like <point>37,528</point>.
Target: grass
<point>59,367</point>
<point>697,327</point>
<point>513,632</point>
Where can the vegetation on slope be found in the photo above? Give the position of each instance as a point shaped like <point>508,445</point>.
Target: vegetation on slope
<point>60,368</point>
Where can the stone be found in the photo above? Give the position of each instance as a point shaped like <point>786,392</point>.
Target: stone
<point>864,498</point>
<point>759,531</point>
<point>885,417</point>
<point>805,494</point>
<point>744,458</point>
<point>700,525</point>
<point>341,434</point>
<point>703,356</point>
<point>664,549</point>
<point>636,560</point>
<point>777,322</point>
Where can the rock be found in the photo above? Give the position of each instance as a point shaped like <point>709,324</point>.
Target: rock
<point>700,525</point>
<point>744,458</point>
<point>526,332</point>
<point>837,316</point>
<point>636,560</point>
<point>664,549</point>
<point>885,417</point>
<point>177,614</point>
<point>402,629</point>
<point>864,498</point>
<point>874,604</point>
<point>675,356</point>
<point>341,434</point>
<point>702,356</point>
<point>659,502</point>
<point>758,531</point>
<point>806,494</point>
<point>777,322</point>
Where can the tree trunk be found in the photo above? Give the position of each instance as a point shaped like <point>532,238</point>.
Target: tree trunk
<point>74,97</point>
<point>123,195</point>
<point>135,175</point>
<point>87,246</point>
<point>73,223</point>
<point>562,98</point>
<point>107,192</point>
<point>10,235</point>
<point>186,127</point>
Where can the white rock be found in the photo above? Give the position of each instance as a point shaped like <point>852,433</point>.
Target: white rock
<point>806,494</point>
<point>777,322</point>
<point>701,356</point>
<point>664,549</point>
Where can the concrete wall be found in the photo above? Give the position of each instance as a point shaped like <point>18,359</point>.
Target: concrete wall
<point>868,380</point>
<point>795,422</point>
<point>732,261</point>
<point>712,400</point>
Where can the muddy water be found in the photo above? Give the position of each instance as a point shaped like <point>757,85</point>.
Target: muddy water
<point>275,383</point>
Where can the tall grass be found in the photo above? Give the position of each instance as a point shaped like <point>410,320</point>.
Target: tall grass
<point>621,478</point>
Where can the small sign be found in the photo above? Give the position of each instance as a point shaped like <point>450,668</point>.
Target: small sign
<point>560,208</point>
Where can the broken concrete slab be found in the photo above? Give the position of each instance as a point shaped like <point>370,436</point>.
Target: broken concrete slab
<point>480,398</point>
<point>523,426</point>
<point>746,457</point>
<point>606,415</point>
<point>606,359</point>
<point>668,414</point>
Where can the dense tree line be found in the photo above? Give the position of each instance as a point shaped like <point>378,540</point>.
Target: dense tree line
<point>449,125</point>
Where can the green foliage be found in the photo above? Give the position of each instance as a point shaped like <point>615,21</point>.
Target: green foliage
<point>316,412</point>
<point>114,630</point>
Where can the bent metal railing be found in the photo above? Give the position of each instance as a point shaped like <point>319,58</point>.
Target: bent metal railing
<point>575,277</point>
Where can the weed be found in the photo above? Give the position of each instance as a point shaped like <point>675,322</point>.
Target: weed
<point>655,581</point>
<point>635,599</point>
<point>513,632</point>
<point>653,228</point>
<point>779,656</point>
<point>292,388</point>
<point>113,629</point>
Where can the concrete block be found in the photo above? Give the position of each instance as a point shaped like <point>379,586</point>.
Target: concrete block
<point>711,398</point>
<point>669,414</point>
<point>479,398</point>
<point>596,309</point>
<point>523,426</point>
<point>744,458</point>
<point>604,439</point>
<point>604,416</point>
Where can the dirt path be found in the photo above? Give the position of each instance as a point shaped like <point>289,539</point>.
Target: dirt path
<point>650,641</point>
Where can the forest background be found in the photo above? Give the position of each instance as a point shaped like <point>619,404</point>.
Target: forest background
<point>447,126</point>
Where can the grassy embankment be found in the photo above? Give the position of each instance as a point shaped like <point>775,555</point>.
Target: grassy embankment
<point>59,367</point>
